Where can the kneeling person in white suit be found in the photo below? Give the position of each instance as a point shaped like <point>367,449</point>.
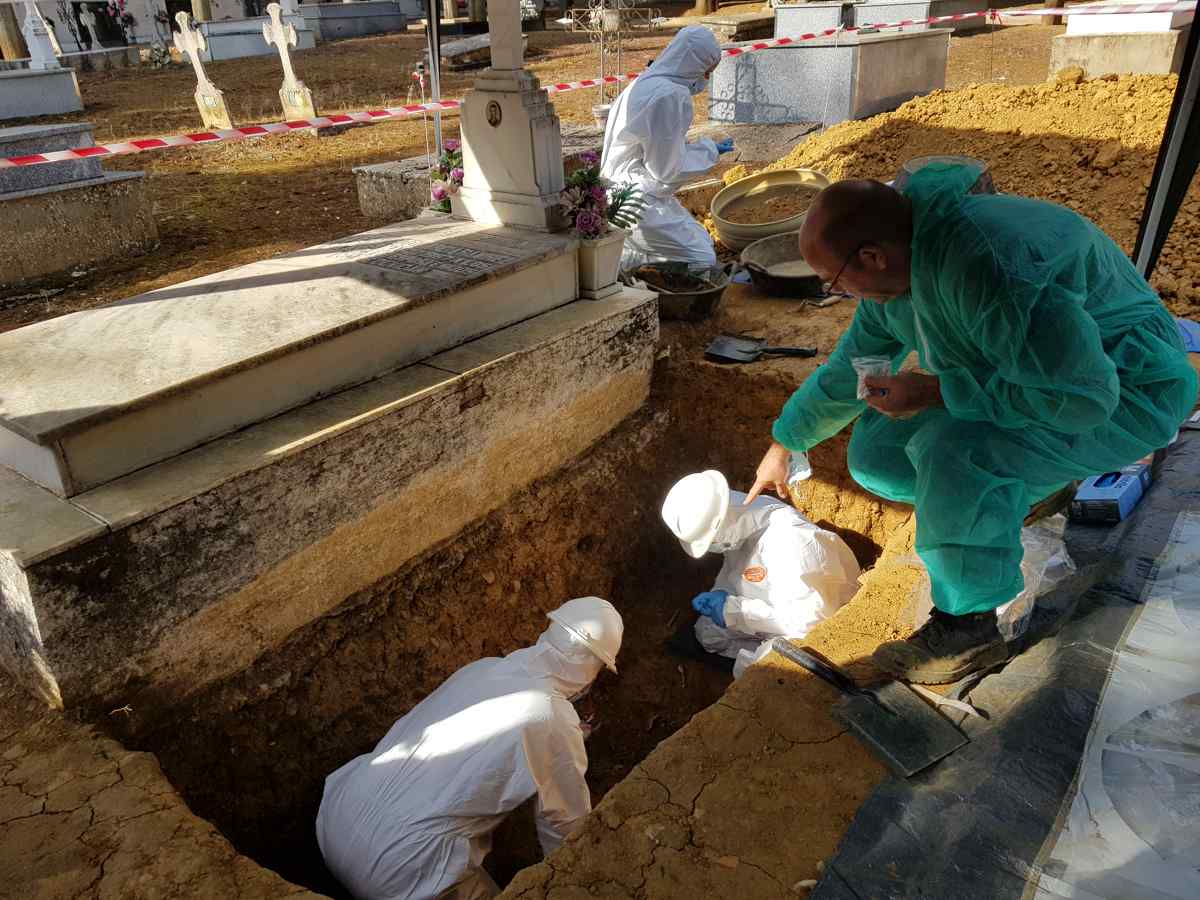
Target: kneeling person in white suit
<point>782,574</point>
<point>413,819</point>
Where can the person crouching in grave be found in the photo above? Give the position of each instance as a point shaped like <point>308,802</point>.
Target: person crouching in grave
<point>413,819</point>
<point>781,575</point>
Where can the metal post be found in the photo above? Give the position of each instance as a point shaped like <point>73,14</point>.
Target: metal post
<point>433,37</point>
<point>603,30</point>
<point>1177,162</point>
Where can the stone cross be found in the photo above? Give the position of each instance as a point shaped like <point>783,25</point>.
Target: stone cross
<point>209,100</point>
<point>37,38</point>
<point>504,27</point>
<point>296,98</point>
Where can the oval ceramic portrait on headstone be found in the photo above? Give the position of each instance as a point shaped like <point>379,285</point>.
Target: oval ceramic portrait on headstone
<point>494,114</point>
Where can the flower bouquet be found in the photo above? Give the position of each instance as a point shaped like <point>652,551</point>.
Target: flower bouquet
<point>447,176</point>
<point>599,213</point>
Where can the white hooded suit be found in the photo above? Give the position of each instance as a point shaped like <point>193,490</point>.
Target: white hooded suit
<point>645,144</point>
<point>413,818</point>
<point>783,575</point>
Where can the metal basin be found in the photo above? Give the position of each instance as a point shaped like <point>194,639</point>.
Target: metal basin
<point>675,299</point>
<point>758,189</point>
<point>777,268</point>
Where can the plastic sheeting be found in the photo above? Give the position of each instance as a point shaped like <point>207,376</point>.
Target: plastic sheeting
<point>1133,829</point>
<point>1083,779</point>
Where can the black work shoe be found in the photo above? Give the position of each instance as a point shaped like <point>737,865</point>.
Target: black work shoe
<point>944,649</point>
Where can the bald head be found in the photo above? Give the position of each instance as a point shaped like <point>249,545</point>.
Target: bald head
<point>862,230</point>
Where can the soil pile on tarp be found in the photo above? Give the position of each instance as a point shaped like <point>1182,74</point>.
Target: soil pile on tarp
<point>1089,145</point>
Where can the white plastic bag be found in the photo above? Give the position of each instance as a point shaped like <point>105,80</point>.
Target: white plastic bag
<point>798,469</point>
<point>1044,564</point>
<point>869,366</point>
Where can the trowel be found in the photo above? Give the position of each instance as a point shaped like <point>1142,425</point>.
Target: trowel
<point>902,730</point>
<point>729,349</point>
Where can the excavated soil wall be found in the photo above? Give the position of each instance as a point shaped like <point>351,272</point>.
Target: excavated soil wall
<point>251,754</point>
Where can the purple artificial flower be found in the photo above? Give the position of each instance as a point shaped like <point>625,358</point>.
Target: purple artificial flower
<point>590,157</point>
<point>439,191</point>
<point>452,146</point>
<point>588,223</point>
<point>599,195</point>
<point>456,175</point>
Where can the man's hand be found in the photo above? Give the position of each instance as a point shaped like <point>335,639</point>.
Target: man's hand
<point>904,394</point>
<point>772,473</point>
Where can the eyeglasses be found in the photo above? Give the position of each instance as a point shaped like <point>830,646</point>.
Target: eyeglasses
<point>829,286</point>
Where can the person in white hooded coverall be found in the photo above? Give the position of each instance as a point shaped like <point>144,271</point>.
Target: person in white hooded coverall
<point>781,576</point>
<point>645,144</point>
<point>413,818</point>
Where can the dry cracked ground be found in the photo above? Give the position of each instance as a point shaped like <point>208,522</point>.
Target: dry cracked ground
<point>83,818</point>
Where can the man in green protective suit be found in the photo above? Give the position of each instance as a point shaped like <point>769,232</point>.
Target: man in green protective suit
<point>1049,358</point>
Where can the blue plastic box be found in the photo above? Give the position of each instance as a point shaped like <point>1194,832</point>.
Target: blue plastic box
<point>1110,497</point>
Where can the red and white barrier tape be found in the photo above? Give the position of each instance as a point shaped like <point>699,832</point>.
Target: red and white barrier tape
<point>416,109</point>
<point>1099,9</point>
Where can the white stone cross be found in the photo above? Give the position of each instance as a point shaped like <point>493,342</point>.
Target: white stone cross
<point>190,42</point>
<point>504,27</point>
<point>296,98</point>
<point>37,37</point>
<point>281,35</point>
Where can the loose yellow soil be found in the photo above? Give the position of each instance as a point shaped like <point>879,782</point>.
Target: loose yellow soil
<point>1090,146</point>
<point>774,206</point>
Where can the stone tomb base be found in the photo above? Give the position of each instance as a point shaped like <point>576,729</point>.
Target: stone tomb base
<point>399,190</point>
<point>331,21</point>
<point>236,38</point>
<point>155,585</point>
<point>1140,53</point>
<point>52,229</point>
<point>66,214</point>
<point>807,18</point>
<point>27,93</point>
<point>829,80</point>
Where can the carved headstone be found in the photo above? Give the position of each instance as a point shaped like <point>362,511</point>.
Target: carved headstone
<point>296,98</point>
<point>512,145</point>
<point>37,38</point>
<point>209,100</point>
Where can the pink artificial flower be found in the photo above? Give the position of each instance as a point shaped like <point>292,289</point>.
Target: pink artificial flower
<point>439,191</point>
<point>456,175</point>
<point>590,157</point>
<point>599,195</point>
<point>452,146</point>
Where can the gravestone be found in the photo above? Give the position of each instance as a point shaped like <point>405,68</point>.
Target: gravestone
<point>295,98</point>
<point>209,99</point>
<point>512,145</point>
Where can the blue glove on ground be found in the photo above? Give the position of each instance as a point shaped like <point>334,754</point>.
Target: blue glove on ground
<point>711,604</point>
<point>725,146</point>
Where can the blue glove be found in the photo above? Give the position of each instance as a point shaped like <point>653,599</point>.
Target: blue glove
<point>711,604</point>
<point>725,146</point>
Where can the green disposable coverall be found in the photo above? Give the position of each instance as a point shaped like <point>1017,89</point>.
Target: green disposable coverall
<point>1056,361</point>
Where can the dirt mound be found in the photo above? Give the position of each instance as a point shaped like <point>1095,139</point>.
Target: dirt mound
<point>1088,145</point>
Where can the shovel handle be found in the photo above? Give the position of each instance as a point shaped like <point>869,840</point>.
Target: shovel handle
<point>805,352</point>
<point>822,670</point>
